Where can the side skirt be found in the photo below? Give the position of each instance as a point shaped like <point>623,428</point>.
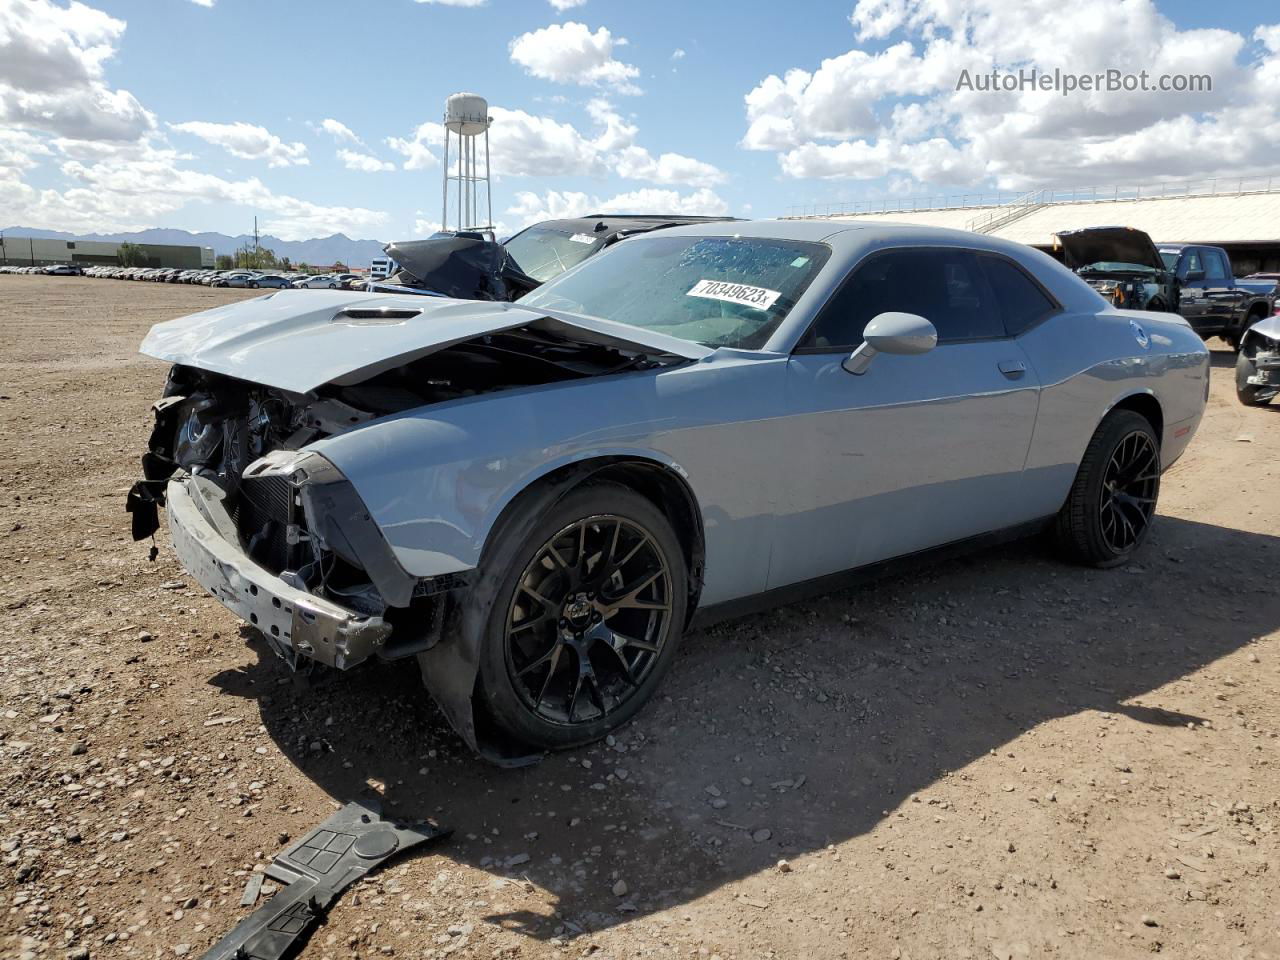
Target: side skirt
<point>831,583</point>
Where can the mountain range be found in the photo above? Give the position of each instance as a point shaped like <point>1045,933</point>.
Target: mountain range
<point>318,250</point>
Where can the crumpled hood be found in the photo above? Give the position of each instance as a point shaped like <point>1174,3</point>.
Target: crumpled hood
<point>298,340</point>
<point>1107,244</point>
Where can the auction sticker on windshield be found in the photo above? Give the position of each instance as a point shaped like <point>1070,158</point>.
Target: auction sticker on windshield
<point>583,238</point>
<point>739,293</point>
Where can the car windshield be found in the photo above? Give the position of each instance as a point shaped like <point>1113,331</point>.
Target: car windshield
<point>1170,258</point>
<point>717,291</point>
<point>543,253</point>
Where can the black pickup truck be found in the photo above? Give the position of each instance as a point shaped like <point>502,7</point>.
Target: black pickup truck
<point>1211,299</point>
<point>1194,280</point>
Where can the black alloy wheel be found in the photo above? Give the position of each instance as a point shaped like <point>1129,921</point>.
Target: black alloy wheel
<point>1109,509</point>
<point>588,618</point>
<point>1129,488</point>
<point>583,605</point>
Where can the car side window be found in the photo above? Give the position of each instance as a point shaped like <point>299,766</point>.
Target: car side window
<point>1022,302</point>
<point>1213,268</point>
<point>944,285</point>
<point>1192,262</point>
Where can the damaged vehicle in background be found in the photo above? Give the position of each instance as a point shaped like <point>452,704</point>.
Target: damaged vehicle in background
<point>537,499</point>
<point>1258,363</point>
<point>473,265</point>
<point>1122,264</point>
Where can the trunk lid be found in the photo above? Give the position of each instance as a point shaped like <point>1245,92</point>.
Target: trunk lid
<point>298,340</point>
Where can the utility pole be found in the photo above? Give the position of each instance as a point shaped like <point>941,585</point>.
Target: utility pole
<point>257,251</point>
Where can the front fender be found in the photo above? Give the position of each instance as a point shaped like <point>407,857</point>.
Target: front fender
<point>437,487</point>
<point>437,479</point>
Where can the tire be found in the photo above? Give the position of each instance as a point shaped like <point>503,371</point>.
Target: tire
<point>253,284</point>
<point>333,286</point>
<point>1246,392</point>
<point>540,696</point>
<point>1106,518</point>
<point>1236,336</point>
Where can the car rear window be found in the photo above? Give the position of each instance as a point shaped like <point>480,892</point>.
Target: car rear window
<point>1022,303</point>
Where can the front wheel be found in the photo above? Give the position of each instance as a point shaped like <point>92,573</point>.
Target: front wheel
<point>1248,393</point>
<point>584,616</point>
<point>333,286</point>
<point>253,284</point>
<point>1109,510</point>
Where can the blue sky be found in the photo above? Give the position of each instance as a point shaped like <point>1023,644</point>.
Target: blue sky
<point>119,115</point>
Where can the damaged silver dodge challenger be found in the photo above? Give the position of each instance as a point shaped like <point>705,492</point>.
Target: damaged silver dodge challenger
<point>536,499</point>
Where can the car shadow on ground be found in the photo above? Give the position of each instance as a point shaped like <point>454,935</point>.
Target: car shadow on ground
<point>778,734</point>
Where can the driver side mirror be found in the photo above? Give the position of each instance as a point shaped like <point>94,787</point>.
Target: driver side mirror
<point>1193,275</point>
<point>901,333</point>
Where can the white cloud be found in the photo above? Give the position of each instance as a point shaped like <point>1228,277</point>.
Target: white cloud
<point>423,225</point>
<point>522,144</point>
<point>141,186</point>
<point>554,205</point>
<point>247,141</point>
<point>363,162</point>
<point>562,5</point>
<point>203,3</point>
<point>678,53</point>
<point>864,115</point>
<point>571,53</point>
<point>416,149</point>
<point>51,66</point>
<point>338,130</point>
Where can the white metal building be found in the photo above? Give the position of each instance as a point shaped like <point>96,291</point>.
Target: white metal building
<point>1241,215</point>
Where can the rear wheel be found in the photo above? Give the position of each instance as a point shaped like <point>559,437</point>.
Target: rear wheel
<point>584,617</point>
<point>1247,392</point>
<point>1108,513</point>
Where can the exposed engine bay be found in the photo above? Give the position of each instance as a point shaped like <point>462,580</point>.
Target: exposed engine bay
<point>219,429</point>
<point>1122,264</point>
<point>1133,290</point>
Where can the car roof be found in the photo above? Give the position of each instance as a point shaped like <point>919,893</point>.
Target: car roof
<point>852,239</point>
<point>606,225</point>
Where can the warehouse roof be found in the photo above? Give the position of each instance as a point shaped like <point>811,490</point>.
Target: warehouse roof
<point>1251,216</point>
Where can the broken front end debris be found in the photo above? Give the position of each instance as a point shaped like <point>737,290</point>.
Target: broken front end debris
<point>315,871</point>
<point>272,528</point>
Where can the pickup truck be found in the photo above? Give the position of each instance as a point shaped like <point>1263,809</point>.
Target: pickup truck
<point>1210,298</point>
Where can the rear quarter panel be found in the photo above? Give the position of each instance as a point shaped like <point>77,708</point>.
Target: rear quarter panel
<point>1087,363</point>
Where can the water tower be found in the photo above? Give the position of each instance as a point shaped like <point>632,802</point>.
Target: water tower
<point>466,117</point>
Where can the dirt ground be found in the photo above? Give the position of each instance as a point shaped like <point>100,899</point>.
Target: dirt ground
<point>1001,756</point>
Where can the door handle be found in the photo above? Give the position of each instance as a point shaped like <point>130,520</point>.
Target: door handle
<point>1013,369</point>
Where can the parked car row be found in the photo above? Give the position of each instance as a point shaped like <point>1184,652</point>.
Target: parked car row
<point>251,279</point>
<point>59,269</point>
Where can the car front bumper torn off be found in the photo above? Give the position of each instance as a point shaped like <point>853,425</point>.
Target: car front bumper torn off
<point>296,622</point>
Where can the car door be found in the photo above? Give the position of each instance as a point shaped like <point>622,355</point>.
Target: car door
<point>918,451</point>
<point>1193,303</point>
<point>1224,296</point>
<point>1220,291</point>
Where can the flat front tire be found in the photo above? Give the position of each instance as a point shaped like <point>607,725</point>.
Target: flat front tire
<point>1112,502</point>
<point>584,613</point>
